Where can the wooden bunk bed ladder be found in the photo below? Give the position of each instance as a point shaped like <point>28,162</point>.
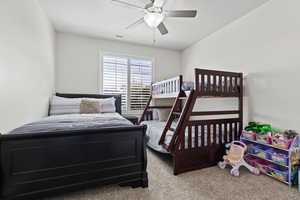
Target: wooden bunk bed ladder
<point>175,113</point>
<point>179,132</point>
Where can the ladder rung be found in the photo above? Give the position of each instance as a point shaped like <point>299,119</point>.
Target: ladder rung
<point>176,113</point>
<point>160,107</point>
<point>172,129</point>
<point>182,97</point>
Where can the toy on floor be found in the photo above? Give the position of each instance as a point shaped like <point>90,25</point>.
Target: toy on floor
<point>235,158</point>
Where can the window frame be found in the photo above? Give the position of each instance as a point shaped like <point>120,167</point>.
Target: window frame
<point>129,57</point>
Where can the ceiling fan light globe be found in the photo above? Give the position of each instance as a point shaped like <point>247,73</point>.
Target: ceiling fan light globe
<point>154,19</point>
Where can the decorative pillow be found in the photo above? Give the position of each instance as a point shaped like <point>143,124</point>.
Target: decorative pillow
<point>61,106</point>
<point>107,105</point>
<point>163,114</point>
<point>89,106</point>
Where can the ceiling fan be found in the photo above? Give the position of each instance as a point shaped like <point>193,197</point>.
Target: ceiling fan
<point>155,14</point>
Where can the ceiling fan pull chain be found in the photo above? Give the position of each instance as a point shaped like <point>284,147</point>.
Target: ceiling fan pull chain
<point>154,37</point>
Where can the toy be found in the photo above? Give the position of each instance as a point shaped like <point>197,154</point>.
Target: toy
<point>235,158</point>
<point>260,129</point>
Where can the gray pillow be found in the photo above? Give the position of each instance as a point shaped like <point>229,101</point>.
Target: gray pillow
<point>89,106</point>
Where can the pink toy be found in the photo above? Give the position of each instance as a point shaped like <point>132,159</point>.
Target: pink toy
<point>235,158</point>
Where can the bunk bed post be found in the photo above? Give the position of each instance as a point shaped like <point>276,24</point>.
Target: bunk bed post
<point>180,91</point>
<point>241,105</point>
<point>196,80</point>
<point>180,83</point>
<point>145,110</point>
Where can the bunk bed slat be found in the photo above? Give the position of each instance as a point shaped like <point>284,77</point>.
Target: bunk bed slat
<point>208,135</point>
<point>208,86</point>
<point>214,134</point>
<point>225,133</point>
<point>197,83</point>
<point>230,85</point>
<point>196,137</point>
<point>215,90</point>
<point>236,131</point>
<point>202,83</point>
<point>230,132</point>
<point>190,137</point>
<point>202,136</point>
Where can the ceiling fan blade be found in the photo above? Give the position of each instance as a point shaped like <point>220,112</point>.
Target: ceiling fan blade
<point>159,3</point>
<point>138,22</point>
<point>181,13</point>
<point>149,5</point>
<point>128,4</point>
<point>162,29</point>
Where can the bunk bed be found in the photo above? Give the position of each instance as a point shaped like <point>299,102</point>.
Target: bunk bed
<point>194,142</point>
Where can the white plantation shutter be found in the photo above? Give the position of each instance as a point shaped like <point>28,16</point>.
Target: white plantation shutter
<point>130,77</point>
<point>140,83</point>
<point>115,77</point>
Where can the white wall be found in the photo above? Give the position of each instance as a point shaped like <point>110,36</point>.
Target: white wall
<point>265,44</point>
<point>78,61</point>
<point>26,63</point>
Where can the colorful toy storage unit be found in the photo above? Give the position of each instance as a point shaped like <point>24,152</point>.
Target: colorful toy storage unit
<point>274,157</point>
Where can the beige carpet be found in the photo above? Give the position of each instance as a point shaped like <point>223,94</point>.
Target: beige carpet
<point>206,184</point>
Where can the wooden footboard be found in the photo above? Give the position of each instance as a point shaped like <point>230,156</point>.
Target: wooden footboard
<point>33,166</point>
<point>203,143</point>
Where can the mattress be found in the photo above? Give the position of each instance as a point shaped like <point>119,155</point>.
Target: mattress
<point>155,129</point>
<point>73,122</point>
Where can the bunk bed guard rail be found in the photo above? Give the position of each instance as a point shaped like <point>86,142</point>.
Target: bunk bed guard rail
<point>218,83</point>
<point>167,88</point>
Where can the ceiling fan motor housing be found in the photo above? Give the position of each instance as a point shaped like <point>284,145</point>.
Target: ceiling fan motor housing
<point>153,19</point>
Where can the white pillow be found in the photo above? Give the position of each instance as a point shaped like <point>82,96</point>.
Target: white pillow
<point>107,105</point>
<point>61,106</point>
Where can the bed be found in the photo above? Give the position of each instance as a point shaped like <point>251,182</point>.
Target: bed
<point>66,153</point>
<point>195,139</point>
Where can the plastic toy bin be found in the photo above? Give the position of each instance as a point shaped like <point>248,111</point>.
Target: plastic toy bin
<point>248,135</point>
<point>278,173</point>
<point>279,157</point>
<point>264,139</point>
<point>262,165</point>
<point>280,143</point>
<point>260,151</point>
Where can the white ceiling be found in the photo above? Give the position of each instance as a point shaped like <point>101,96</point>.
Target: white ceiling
<point>104,19</point>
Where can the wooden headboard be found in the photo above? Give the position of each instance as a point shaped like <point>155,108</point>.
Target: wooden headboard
<point>96,96</point>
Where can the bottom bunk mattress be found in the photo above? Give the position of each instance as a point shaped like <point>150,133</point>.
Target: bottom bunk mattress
<point>155,129</point>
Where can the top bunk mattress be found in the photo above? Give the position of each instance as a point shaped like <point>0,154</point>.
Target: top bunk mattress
<point>73,122</point>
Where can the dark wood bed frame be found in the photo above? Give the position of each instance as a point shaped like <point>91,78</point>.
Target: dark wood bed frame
<point>194,154</point>
<point>39,165</point>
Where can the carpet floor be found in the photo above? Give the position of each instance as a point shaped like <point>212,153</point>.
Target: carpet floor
<point>206,184</point>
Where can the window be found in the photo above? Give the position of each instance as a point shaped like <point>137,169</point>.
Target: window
<point>129,77</point>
